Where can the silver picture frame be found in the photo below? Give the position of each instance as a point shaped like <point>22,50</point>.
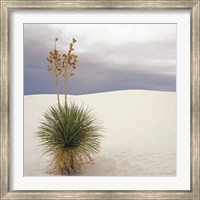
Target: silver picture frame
<point>6,8</point>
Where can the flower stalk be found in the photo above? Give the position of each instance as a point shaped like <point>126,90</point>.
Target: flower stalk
<point>62,66</point>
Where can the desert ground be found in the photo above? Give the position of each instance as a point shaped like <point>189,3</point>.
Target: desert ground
<point>139,136</point>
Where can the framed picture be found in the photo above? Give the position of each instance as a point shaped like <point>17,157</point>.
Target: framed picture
<point>100,99</point>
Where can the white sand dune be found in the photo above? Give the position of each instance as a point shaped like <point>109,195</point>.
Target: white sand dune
<point>139,137</point>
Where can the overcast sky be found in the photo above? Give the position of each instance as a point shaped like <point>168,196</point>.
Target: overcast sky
<point>110,57</point>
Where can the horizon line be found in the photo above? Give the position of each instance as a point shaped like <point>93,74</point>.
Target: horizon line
<point>100,92</point>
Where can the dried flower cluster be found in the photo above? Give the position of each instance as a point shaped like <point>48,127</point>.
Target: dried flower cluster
<point>62,66</point>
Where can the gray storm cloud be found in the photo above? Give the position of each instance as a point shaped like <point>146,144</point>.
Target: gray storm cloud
<point>111,57</point>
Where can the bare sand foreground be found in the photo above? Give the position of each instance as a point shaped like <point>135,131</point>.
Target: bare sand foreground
<point>139,137</point>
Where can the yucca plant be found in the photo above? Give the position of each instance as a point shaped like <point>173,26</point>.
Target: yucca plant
<point>68,133</point>
<point>70,136</point>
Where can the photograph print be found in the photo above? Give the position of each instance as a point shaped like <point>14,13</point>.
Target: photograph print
<point>100,99</point>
